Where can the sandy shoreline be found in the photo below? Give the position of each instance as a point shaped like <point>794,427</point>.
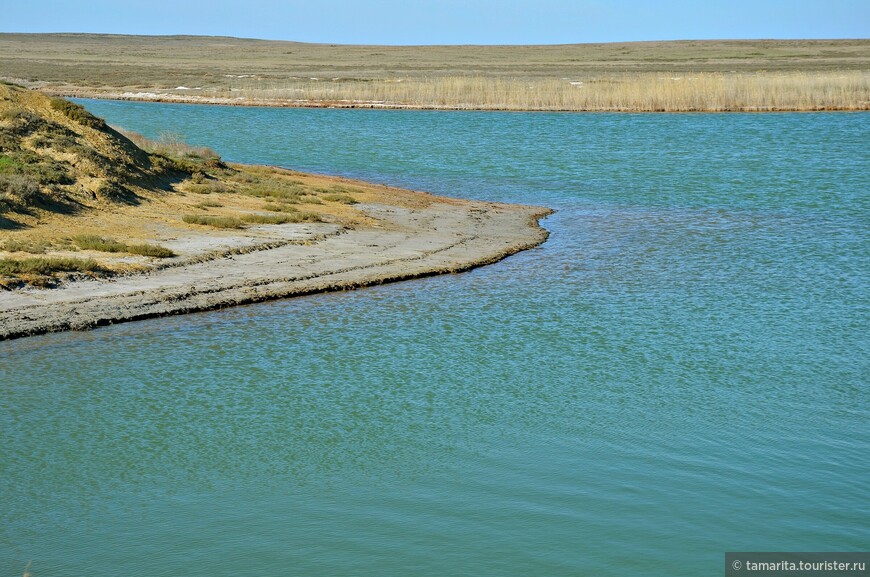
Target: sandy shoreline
<point>442,236</point>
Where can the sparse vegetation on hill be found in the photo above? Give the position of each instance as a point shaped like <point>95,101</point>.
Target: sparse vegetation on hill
<point>71,183</point>
<point>55,155</point>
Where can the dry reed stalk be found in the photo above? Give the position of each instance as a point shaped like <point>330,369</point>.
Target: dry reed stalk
<point>835,90</point>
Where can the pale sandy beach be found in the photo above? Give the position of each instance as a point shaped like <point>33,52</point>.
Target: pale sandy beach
<point>221,269</point>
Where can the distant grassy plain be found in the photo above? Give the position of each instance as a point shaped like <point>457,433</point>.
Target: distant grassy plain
<point>640,76</point>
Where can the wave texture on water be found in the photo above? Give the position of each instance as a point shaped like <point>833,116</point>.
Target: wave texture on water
<point>680,371</point>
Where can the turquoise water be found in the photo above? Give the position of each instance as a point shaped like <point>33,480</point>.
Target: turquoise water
<point>680,371</point>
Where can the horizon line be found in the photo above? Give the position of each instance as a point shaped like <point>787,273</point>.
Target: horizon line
<point>115,34</point>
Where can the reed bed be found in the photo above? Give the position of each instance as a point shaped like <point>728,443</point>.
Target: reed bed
<point>643,92</point>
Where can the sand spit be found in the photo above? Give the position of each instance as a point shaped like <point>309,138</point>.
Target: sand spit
<point>445,236</point>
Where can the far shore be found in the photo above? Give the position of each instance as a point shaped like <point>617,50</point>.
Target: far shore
<point>673,76</point>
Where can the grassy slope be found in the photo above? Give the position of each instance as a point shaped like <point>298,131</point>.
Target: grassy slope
<point>56,156</point>
<point>272,70</point>
<point>77,196</point>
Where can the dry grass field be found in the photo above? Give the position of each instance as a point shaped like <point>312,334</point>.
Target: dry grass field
<point>641,76</point>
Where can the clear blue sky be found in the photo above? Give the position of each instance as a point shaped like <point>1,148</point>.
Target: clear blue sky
<point>448,21</point>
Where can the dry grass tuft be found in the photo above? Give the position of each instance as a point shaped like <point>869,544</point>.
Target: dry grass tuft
<point>206,204</point>
<point>47,265</point>
<point>267,218</point>
<point>339,197</point>
<point>98,243</point>
<point>229,222</point>
<point>29,246</point>
<point>152,250</point>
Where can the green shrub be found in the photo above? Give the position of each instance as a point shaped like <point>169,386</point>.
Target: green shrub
<point>49,172</point>
<point>77,113</point>
<point>40,169</point>
<point>8,164</point>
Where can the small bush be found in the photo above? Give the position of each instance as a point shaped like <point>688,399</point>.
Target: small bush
<point>57,141</point>
<point>39,169</point>
<point>93,242</point>
<point>185,165</point>
<point>8,142</point>
<point>279,207</point>
<point>50,172</point>
<point>12,114</point>
<point>246,178</point>
<point>23,122</point>
<point>163,165</point>
<point>77,113</point>
<point>19,188</point>
<point>208,204</point>
<point>305,217</point>
<point>261,191</point>
<point>152,250</point>
<point>267,218</point>
<point>31,246</point>
<point>114,191</point>
<point>291,217</point>
<point>207,187</point>
<point>215,221</point>
<point>47,265</point>
<point>8,164</point>
<point>90,154</point>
